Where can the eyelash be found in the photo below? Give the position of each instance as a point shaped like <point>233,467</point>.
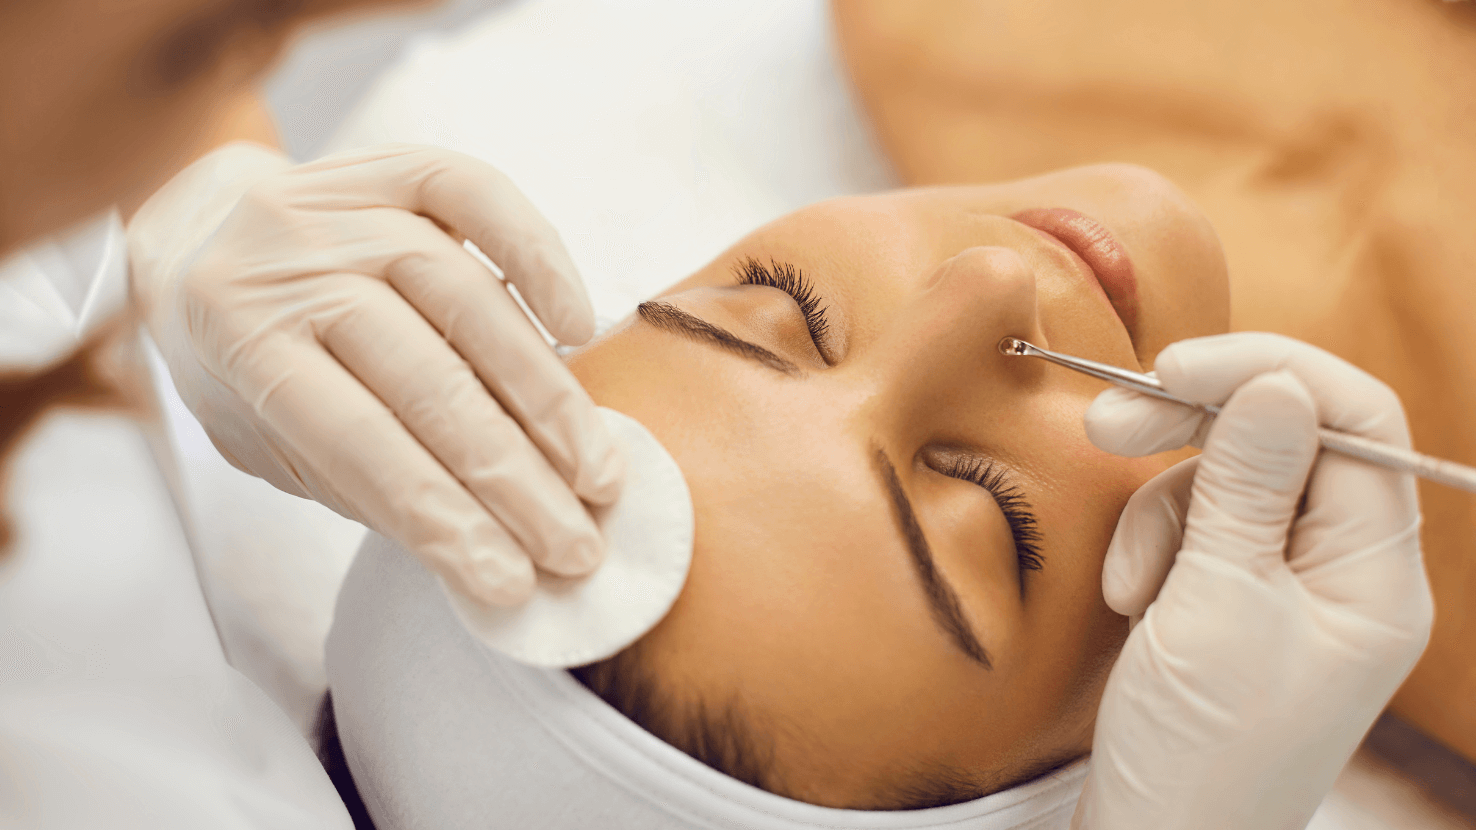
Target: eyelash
<point>1023,526</point>
<point>1012,503</point>
<point>787,278</point>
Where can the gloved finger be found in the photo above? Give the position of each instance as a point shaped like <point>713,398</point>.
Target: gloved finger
<point>1123,422</point>
<point>477,200</point>
<point>399,489</point>
<point>475,312</point>
<point>1357,545</point>
<point>1252,473</point>
<point>1360,522</point>
<point>1354,505</point>
<point>1148,536</point>
<point>436,396</point>
<point>1210,369</point>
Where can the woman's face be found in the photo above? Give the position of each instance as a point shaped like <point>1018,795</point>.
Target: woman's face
<point>899,530</point>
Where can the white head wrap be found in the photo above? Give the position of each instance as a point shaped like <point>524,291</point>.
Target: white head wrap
<point>442,732</point>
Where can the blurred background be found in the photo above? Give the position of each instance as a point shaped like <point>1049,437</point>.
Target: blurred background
<point>332,67</point>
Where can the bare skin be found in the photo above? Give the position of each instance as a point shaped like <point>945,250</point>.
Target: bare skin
<point>104,101</point>
<point>804,603</point>
<point>1330,143</point>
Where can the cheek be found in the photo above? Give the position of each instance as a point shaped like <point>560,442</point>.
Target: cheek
<point>1074,635</point>
<point>1078,511</point>
<point>1067,474</point>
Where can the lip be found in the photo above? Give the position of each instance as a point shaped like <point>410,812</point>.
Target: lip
<point>1098,248</point>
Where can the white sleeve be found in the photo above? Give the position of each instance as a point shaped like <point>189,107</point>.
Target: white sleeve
<point>117,706</point>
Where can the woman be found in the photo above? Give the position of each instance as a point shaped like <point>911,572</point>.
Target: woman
<point>675,131</point>
<point>881,486</point>
<point>1330,144</point>
<point>895,600</point>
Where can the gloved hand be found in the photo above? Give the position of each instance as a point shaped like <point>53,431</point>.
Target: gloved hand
<point>336,341</point>
<point>1274,628</point>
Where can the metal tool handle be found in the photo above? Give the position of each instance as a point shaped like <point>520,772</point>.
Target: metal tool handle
<point>1428,467</point>
<point>1398,459</point>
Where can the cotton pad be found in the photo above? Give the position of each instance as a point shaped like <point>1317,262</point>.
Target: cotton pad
<point>648,548</point>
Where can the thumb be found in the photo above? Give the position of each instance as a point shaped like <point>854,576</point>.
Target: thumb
<point>1253,471</point>
<point>1124,422</point>
<point>1148,536</point>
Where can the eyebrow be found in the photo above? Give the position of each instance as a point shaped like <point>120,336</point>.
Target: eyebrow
<point>943,601</point>
<point>668,317</point>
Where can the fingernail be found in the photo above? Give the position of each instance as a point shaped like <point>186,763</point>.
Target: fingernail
<point>600,481</point>
<point>1117,583</point>
<point>576,323</point>
<point>587,555</point>
<point>1168,365</point>
<point>1113,405</point>
<point>503,581</point>
<point>1126,423</point>
<point>576,556</point>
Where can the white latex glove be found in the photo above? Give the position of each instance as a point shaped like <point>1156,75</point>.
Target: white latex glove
<point>1274,630</point>
<point>336,342</point>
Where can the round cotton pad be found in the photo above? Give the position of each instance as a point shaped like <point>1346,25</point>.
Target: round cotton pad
<point>648,548</point>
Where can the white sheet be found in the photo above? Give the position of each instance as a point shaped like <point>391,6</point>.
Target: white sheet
<point>653,133</point>
<point>117,706</point>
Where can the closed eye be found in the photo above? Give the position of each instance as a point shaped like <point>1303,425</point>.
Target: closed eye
<point>1010,498</point>
<point>787,278</point>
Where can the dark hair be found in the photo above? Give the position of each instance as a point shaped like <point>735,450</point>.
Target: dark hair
<point>722,737</point>
<point>86,378</point>
<point>726,737</point>
<point>335,763</point>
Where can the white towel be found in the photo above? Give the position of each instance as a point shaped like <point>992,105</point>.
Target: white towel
<point>440,731</point>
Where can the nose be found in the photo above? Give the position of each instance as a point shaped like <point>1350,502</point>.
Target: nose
<point>966,305</point>
<point>944,340</point>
